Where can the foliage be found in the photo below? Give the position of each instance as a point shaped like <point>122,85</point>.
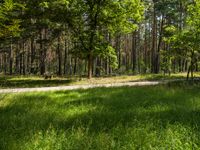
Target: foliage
<point>93,23</point>
<point>79,36</point>
<point>186,42</point>
<point>166,64</point>
<point>9,23</point>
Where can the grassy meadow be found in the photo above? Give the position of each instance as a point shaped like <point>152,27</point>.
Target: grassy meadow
<point>152,117</point>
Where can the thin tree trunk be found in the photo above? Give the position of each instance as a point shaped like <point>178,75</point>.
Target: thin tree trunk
<point>32,55</point>
<point>59,53</point>
<point>10,58</point>
<point>90,65</point>
<point>188,73</point>
<point>157,63</point>
<point>23,58</point>
<point>42,55</point>
<point>98,67</point>
<point>5,62</point>
<point>66,57</point>
<point>134,53</point>
<point>154,38</point>
<point>75,66</point>
<point>118,47</point>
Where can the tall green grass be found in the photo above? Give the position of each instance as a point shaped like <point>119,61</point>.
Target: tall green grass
<point>154,117</point>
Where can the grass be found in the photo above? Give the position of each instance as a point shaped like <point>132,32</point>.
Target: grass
<point>36,81</point>
<point>153,117</point>
<point>32,81</point>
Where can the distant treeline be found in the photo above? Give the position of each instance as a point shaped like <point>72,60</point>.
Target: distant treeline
<point>99,37</point>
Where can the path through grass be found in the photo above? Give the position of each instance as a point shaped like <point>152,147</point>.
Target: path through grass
<point>155,117</point>
<point>36,81</point>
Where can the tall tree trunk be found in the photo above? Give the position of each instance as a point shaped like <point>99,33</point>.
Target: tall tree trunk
<point>5,64</point>
<point>145,52</point>
<point>154,38</point>
<point>90,65</point>
<point>138,51</point>
<point>10,58</point>
<point>1,63</point>
<point>20,63</point>
<point>157,60</point>
<point>66,56</point>
<point>134,53</point>
<point>75,66</point>
<point>32,55</point>
<point>28,64</point>
<point>42,55</point>
<point>98,67</point>
<point>188,73</point>
<point>23,58</point>
<point>118,48</point>
<point>59,53</point>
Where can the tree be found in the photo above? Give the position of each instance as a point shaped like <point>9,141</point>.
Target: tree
<point>9,23</point>
<point>193,21</point>
<point>186,42</point>
<point>84,36</point>
<point>93,23</point>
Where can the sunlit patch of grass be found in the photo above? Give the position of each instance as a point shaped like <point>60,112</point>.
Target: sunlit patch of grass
<point>153,117</point>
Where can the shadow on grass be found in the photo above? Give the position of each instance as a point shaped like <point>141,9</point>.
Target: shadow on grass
<point>106,109</point>
<point>12,82</point>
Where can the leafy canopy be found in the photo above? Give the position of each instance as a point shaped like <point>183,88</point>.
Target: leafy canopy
<point>9,22</point>
<point>94,22</point>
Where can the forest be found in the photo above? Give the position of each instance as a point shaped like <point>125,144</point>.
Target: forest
<point>98,38</point>
<point>99,74</point>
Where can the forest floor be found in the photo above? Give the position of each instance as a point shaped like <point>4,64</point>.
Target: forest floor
<point>146,117</point>
<point>7,82</point>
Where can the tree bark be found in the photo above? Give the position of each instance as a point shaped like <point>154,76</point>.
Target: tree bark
<point>59,53</point>
<point>42,54</point>
<point>10,58</point>
<point>32,55</point>
<point>66,56</point>
<point>157,60</point>
<point>90,65</point>
<point>134,53</point>
<point>154,38</point>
